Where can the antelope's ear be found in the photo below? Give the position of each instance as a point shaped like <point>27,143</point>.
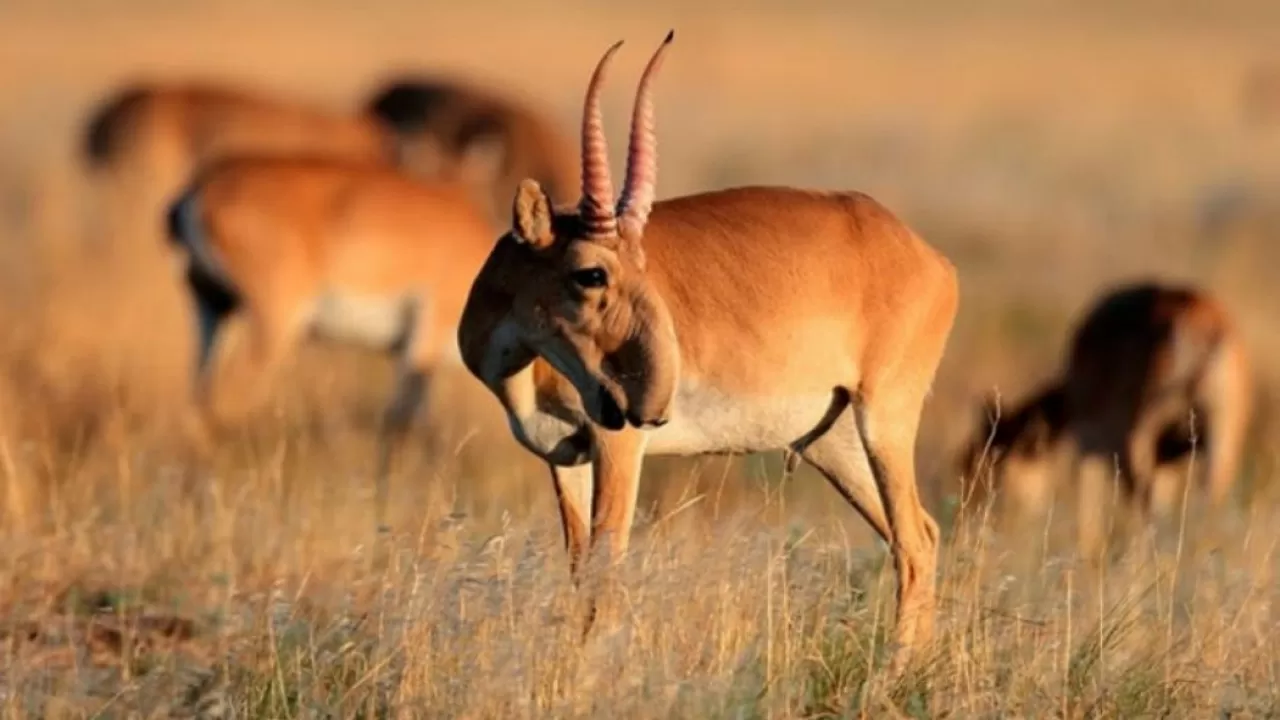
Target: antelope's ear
<point>531,215</point>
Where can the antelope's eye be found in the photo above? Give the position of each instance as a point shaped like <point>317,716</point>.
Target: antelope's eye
<point>590,278</point>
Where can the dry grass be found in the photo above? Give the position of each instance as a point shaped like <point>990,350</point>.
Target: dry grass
<point>1048,153</point>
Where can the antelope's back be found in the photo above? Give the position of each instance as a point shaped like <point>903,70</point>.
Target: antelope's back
<point>221,122</point>
<point>1141,339</point>
<point>205,122</point>
<point>370,227</point>
<point>792,247</point>
<point>836,273</point>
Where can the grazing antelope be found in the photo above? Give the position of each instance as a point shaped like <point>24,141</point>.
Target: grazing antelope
<point>159,135</point>
<point>1014,447</point>
<point>740,320</point>
<point>1153,372</point>
<point>440,121</point>
<point>346,252</point>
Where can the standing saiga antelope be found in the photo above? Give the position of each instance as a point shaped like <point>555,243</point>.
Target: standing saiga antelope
<point>740,320</point>
<point>347,252</point>
<point>1153,372</point>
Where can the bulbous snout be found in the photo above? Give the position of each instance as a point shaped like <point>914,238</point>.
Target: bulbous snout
<point>609,412</point>
<point>647,369</point>
<point>613,415</point>
<point>646,423</point>
<point>636,381</point>
<point>614,411</point>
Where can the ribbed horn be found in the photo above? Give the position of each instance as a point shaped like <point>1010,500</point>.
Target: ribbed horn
<point>642,152</point>
<point>596,207</point>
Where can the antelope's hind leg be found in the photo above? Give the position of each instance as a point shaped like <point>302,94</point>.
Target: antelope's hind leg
<point>838,454</point>
<point>888,406</point>
<point>887,427</point>
<point>231,392</point>
<point>212,307</point>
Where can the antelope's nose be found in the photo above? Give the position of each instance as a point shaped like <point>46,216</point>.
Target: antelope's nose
<point>610,413</point>
<point>646,423</point>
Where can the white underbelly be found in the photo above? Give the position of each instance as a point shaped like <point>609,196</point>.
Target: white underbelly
<point>376,321</point>
<point>705,420</point>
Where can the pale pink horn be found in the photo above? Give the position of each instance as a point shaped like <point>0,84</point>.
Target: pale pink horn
<point>642,152</point>
<point>596,206</point>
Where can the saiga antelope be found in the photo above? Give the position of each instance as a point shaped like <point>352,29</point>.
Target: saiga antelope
<point>1152,371</point>
<point>440,121</point>
<point>739,320</point>
<point>347,252</point>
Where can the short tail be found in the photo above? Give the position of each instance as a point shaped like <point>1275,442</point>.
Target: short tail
<point>214,291</point>
<point>102,134</point>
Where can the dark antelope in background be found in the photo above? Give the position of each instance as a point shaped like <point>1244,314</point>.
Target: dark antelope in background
<point>1153,372</point>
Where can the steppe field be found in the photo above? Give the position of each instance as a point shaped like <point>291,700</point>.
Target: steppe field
<point>1050,150</point>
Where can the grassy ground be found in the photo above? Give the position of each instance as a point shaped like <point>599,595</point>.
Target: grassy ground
<point>1048,153</point>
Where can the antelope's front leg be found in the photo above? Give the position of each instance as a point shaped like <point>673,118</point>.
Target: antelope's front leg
<point>617,460</point>
<point>393,430</point>
<point>616,464</point>
<point>413,384</point>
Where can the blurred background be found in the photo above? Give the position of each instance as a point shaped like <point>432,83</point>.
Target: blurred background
<point>1050,150</point>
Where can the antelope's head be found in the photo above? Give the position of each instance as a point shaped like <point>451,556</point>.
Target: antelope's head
<point>1011,451</point>
<point>569,284</point>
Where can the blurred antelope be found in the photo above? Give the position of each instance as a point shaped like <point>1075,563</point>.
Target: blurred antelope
<point>439,122</point>
<point>346,252</point>
<point>157,136</point>
<point>1153,372</point>
<point>739,320</point>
